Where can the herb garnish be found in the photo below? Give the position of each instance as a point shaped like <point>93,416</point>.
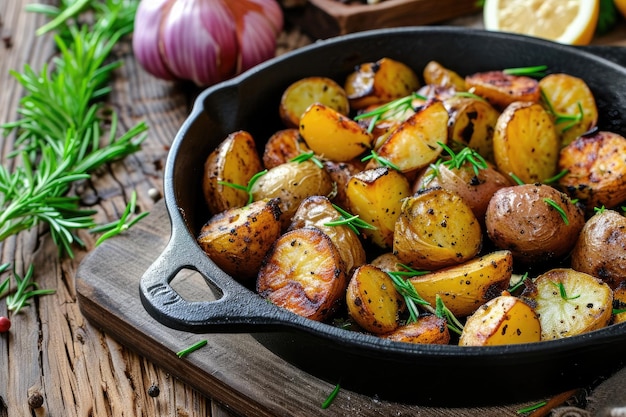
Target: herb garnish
<point>306,156</point>
<point>519,283</point>
<point>558,208</point>
<point>26,289</point>
<point>532,407</point>
<point>331,397</point>
<point>382,161</point>
<point>386,111</point>
<point>559,118</point>
<point>443,312</point>
<point>246,188</point>
<point>563,293</point>
<point>351,220</point>
<point>117,227</point>
<point>411,298</point>
<point>537,71</point>
<point>192,348</point>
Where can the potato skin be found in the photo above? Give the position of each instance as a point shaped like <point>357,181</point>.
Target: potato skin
<point>519,219</point>
<point>282,147</point>
<point>238,239</point>
<point>502,89</point>
<point>427,330</point>
<point>303,273</point>
<point>601,248</point>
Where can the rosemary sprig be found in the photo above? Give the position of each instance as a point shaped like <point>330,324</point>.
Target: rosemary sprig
<point>192,348</point>
<point>26,289</point>
<point>519,283</point>
<point>559,118</point>
<point>331,397</point>
<point>382,161</point>
<point>388,110</point>
<point>532,407</point>
<point>557,177</point>
<point>466,156</point>
<point>351,220</point>
<point>306,156</point>
<point>115,228</point>
<point>411,298</point>
<point>537,71</point>
<point>443,312</point>
<point>246,188</point>
<point>563,292</point>
<point>558,208</point>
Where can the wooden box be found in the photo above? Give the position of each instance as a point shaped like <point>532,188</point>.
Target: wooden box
<point>326,18</point>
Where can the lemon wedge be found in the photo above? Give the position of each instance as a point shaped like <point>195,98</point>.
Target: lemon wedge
<point>571,22</point>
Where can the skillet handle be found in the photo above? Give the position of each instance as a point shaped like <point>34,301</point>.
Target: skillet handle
<point>238,310</point>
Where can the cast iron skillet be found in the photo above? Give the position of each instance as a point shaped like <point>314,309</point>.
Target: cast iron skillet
<point>446,375</point>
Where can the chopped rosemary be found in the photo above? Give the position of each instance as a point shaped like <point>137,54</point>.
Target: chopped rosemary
<point>599,210</point>
<point>619,310</point>
<point>192,348</point>
<point>559,118</point>
<point>519,283</point>
<point>305,156</point>
<point>468,94</point>
<point>26,289</point>
<point>331,397</point>
<point>532,407</point>
<point>517,179</point>
<point>557,177</point>
<point>558,208</point>
<point>394,107</point>
<point>115,228</point>
<point>537,71</point>
<point>408,291</point>
<point>382,161</point>
<point>351,220</point>
<point>247,188</point>
<point>443,312</point>
<point>563,292</point>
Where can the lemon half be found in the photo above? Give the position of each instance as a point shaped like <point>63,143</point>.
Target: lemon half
<point>571,22</point>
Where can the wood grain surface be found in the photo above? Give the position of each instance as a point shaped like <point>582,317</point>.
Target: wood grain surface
<point>80,367</point>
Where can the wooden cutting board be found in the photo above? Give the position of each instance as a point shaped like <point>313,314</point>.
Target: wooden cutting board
<point>233,369</point>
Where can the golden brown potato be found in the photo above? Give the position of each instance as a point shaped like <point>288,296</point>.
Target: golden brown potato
<point>436,74</point>
<point>292,182</point>
<point>340,174</point>
<point>234,161</point>
<point>601,248</point>
<point>427,330</point>
<point>372,300</point>
<point>436,229</point>
<point>303,273</point>
<point>332,135</point>
<point>415,143</point>
<point>504,320</point>
<point>282,147</point>
<point>375,195</point>
<point>318,211</point>
<point>596,170</point>
<point>569,96</point>
<point>475,190</point>
<point>525,143</point>
<point>379,82</point>
<point>237,239</point>
<point>388,262</point>
<point>464,288</point>
<point>502,89</point>
<point>301,94</point>
<point>472,124</point>
<point>619,304</point>
<point>523,219</point>
<point>569,302</point>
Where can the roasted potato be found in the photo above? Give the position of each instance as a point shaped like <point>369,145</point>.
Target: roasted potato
<point>436,74</point>
<point>372,300</point>
<point>427,330</point>
<point>333,135</point>
<point>292,182</point>
<point>596,170</point>
<point>318,211</point>
<point>569,302</point>
<point>501,89</point>
<point>504,320</point>
<point>525,143</point>
<point>301,94</point>
<point>619,304</point>
<point>340,174</point>
<point>436,229</point>
<point>415,143</point>
<point>379,82</point>
<point>475,189</point>
<point>282,147</point>
<point>472,123</point>
<point>375,195</point>
<point>601,248</point>
<point>237,239</point>
<point>570,96</point>
<point>235,160</point>
<point>525,220</point>
<point>463,288</point>
<point>303,273</point>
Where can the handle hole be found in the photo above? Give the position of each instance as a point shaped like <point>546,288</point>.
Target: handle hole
<point>192,286</point>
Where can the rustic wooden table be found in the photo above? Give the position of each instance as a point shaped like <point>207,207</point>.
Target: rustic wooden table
<point>52,349</point>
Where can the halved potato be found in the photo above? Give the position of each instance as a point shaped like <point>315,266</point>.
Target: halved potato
<point>375,195</point>
<point>282,147</point>
<point>569,95</point>
<point>504,320</point>
<point>569,302</point>
<point>463,288</point>
<point>525,143</point>
<point>372,300</point>
<point>332,135</point>
<point>301,94</point>
<point>292,182</point>
<point>340,174</point>
<point>415,143</point>
<point>596,170</point>
<point>436,229</point>
<point>379,82</point>
<point>436,74</point>
<point>237,239</point>
<point>318,211</point>
<point>234,161</point>
<point>502,89</point>
<point>303,273</point>
<point>428,330</point>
